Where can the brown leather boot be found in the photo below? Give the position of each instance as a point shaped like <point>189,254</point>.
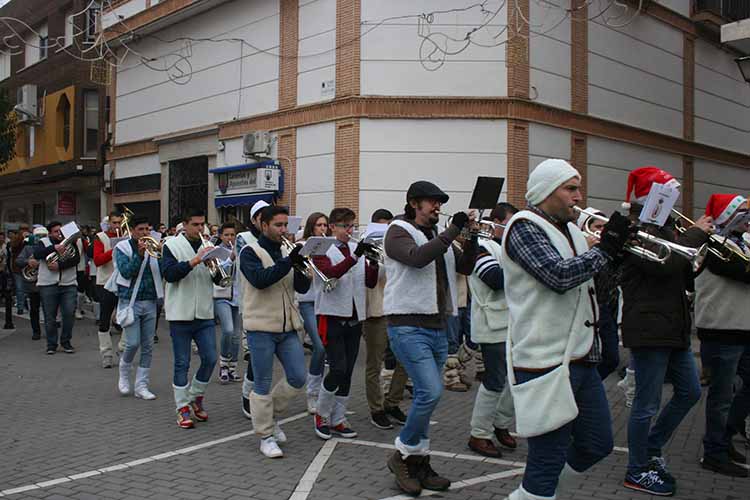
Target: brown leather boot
<point>505,439</point>
<point>484,447</point>
<point>405,476</point>
<point>429,479</point>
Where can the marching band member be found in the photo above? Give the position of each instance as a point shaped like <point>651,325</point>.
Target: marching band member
<point>137,273</point>
<point>15,246</point>
<point>57,287</point>
<point>722,299</point>
<point>107,300</point>
<point>419,295</point>
<point>340,313</point>
<point>190,313</point>
<point>549,290</point>
<point>493,407</point>
<point>270,276</point>
<point>227,309</point>
<point>316,225</point>
<point>24,259</point>
<point>656,327</point>
<point>375,330</point>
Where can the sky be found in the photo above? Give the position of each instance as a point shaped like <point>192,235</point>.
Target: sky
<point>3,2</point>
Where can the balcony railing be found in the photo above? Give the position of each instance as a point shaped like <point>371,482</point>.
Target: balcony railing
<point>730,10</point>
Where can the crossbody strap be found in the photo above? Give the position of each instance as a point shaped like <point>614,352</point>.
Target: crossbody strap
<point>138,280</point>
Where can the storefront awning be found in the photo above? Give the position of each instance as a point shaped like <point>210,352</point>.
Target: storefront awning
<point>243,199</point>
<point>244,166</point>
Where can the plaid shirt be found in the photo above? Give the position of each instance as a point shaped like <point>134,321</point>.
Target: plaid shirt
<point>530,247</point>
<point>129,268</point>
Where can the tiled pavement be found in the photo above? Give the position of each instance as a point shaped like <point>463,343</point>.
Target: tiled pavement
<point>63,420</point>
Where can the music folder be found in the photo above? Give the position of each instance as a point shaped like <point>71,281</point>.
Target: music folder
<point>486,193</point>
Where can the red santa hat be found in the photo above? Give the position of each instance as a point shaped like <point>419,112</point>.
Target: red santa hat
<point>722,206</point>
<point>641,179</point>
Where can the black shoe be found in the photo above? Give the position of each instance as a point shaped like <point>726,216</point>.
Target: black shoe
<point>68,348</point>
<point>726,468</point>
<point>117,328</point>
<point>51,350</point>
<point>35,336</point>
<point>246,408</point>
<point>394,413</point>
<point>380,420</point>
<point>156,339</point>
<point>428,478</point>
<point>735,456</point>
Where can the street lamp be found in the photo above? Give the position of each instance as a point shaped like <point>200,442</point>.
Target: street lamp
<point>744,64</point>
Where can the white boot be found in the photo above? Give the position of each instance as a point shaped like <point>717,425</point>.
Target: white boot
<point>105,349</point>
<point>278,434</point>
<point>522,494</point>
<point>141,384</point>
<point>269,448</point>
<point>124,383</point>
<point>568,479</point>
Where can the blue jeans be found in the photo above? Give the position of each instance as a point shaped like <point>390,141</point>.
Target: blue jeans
<point>458,329</point>
<point>231,329</point>
<point>20,291</point>
<point>422,352</point>
<point>203,331</point>
<point>581,443</point>
<point>495,367</point>
<point>741,403</point>
<point>651,365</point>
<point>610,340</point>
<point>287,347</point>
<point>56,297</point>
<point>317,360</point>
<point>723,361</point>
<point>140,333</point>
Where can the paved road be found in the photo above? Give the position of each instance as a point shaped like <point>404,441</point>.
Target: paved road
<point>67,434</point>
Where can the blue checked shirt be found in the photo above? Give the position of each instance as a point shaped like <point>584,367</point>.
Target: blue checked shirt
<point>129,268</point>
<point>530,247</point>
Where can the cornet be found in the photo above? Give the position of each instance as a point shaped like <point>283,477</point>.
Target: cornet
<point>665,247</point>
<point>309,268</point>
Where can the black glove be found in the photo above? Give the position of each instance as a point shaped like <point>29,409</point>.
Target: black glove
<point>615,234</point>
<point>362,247</point>
<point>297,259</point>
<point>460,219</point>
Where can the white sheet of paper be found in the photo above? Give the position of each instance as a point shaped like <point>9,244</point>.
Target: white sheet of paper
<point>737,223</point>
<point>219,253</point>
<point>375,231</point>
<point>114,241</point>
<point>69,230</point>
<point>295,223</point>
<point>317,245</point>
<point>661,199</point>
<point>156,235</point>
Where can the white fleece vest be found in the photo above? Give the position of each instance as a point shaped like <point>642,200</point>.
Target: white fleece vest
<point>541,320</point>
<point>105,271</point>
<point>410,290</point>
<point>349,290</point>
<point>721,303</point>
<point>45,277</point>
<point>489,310</point>
<point>119,279</point>
<point>190,298</point>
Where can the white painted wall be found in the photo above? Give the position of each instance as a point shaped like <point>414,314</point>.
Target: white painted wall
<point>449,153</point>
<point>316,146</point>
<point>316,65</point>
<point>547,142</point>
<point>390,50</point>
<point>711,177</point>
<point>137,166</point>
<point>609,163</point>
<point>150,104</point>
<point>121,13</point>
<point>722,100</point>
<point>635,74</point>
<point>549,61</point>
<point>679,6</point>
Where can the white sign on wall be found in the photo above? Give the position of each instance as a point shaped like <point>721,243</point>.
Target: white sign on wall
<point>247,181</point>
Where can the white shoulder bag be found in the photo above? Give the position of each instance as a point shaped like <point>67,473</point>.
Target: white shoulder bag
<point>126,315</point>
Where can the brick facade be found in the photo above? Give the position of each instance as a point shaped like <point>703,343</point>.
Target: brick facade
<point>348,18</point>
<point>688,116</point>
<point>288,49</point>
<point>346,177</point>
<point>579,87</point>
<point>518,161</point>
<point>517,55</point>
<point>287,153</point>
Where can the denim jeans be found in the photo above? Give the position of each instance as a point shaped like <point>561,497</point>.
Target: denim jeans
<point>203,331</point>
<point>20,291</point>
<point>287,347</point>
<point>422,352</point>
<point>62,298</point>
<point>317,360</point>
<point>610,340</point>
<point>581,443</point>
<point>458,329</point>
<point>652,365</point>
<point>231,329</point>
<point>140,333</point>
<point>741,402</point>
<point>723,361</point>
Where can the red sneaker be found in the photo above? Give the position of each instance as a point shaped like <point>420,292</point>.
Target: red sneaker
<point>198,411</point>
<point>183,418</point>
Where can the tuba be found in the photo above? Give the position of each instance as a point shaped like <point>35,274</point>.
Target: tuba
<point>68,253</point>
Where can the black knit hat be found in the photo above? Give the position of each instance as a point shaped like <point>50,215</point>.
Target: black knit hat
<point>428,190</point>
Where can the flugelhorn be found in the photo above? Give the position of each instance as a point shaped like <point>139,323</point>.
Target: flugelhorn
<point>375,252</point>
<point>666,247</point>
<point>309,268</point>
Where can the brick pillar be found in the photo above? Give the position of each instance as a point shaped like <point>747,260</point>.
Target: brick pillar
<point>579,159</point>
<point>287,154</point>
<point>688,122</point>
<point>579,88</point>
<point>348,18</point>
<point>518,161</point>
<point>688,187</point>
<point>517,49</point>
<point>346,177</point>
<point>289,44</point>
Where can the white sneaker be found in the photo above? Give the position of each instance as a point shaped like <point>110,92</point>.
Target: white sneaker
<point>278,434</point>
<point>312,401</point>
<point>144,393</point>
<point>79,314</point>
<point>270,449</point>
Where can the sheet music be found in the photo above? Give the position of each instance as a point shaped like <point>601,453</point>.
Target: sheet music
<point>658,206</point>
<point>374,231</point>
<point>219,253</point>
<point>155,235</point>
<point>317,245</point>
<point>69,230</point>
<point>295,223</point>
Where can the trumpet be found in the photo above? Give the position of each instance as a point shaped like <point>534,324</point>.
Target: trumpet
<point>721,246</point>
<point>124,230</point>
<point>375,252</point>
<point>153,247</point>
<point>666,248</point>
<point>482,229</point>
<point>220,275</point>
<point>309,268</point>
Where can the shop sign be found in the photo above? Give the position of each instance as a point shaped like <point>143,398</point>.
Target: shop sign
<point>247,181</point>
<point>66,203</point>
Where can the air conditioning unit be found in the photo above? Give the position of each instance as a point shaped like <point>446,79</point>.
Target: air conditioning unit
<point>257,144</point>
<point>26,109</point>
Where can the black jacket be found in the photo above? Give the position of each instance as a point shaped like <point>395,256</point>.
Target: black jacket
<point>655,310</point>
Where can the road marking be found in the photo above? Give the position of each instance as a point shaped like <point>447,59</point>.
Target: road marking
<point>306,483</point>
<point>463,484</point>
<point>135,463</point>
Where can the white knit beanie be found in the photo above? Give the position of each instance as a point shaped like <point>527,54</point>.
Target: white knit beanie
<point>546,177</point>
